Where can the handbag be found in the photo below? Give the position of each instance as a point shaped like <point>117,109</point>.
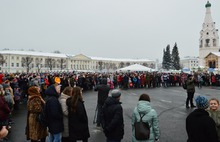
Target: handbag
<point>3,132</point>
<point>142,129</point>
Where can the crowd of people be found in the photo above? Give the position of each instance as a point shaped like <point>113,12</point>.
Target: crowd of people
<point>60,97</point>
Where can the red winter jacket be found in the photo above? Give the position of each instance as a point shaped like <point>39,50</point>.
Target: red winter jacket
<point>4,110</point>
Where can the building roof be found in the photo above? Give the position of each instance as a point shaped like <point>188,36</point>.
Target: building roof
<point>33,53</point>
<point>120,59</point>
<point>215,53</point>
<point>61,55</point>
<point>190,58</point>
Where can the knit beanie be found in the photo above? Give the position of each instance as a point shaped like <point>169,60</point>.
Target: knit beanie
<point>202,102</point>
<point>115,93</point>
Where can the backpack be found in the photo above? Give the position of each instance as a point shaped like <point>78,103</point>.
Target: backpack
<point>142,129</point>
<point>42,117</point>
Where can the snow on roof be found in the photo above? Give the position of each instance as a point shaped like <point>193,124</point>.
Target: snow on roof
<point>216,53</point>
<point>120,59</point>
<point>189,58</point>
<point>61,55</point>
<point>33,53</point>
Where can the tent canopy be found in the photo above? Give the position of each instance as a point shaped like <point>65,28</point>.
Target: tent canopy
<point>136,67</point>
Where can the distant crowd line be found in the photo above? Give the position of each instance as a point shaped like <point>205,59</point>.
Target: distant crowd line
<point>18,88</point>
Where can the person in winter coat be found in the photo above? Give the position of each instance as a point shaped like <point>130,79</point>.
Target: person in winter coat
<point>190,88</point>
<point>54,113</point>
<point>112,118</point>
<point>103,91</point>
<point>4,109</point>
<point>200,127</point>
<point>67,92</point>
<point>150,115</point>
<point>78,120</point>
<point>34,130</point>
<point>214,113</point>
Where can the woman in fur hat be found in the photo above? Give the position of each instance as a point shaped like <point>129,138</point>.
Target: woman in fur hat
<point>34,130</point>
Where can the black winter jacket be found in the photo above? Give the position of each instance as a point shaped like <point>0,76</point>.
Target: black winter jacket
<point>54,111</point>
<point>112,119</point>
<point>103,90</point>
<point>200,127</point>
<point>78,121</point>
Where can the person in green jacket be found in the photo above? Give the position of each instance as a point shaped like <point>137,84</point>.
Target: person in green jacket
<point>144,107</point>
<point>190,89</point>
<point>214,112</point>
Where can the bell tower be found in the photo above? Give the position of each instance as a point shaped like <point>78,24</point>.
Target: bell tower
<point>209,39</point>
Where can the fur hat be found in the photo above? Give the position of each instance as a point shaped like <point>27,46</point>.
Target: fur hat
<point>202,102</point>
<point>115,93</point>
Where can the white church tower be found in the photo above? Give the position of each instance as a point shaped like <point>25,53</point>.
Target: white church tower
<point>209,39</point>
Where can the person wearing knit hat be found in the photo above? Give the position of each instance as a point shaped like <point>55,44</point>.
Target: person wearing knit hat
<point>113,112</point>
<point>200,127</point>
<point>202,102</point>
<point>116,93</point>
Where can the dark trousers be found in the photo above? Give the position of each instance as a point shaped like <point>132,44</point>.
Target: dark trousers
<point>189,98</point>
<point>65,139</point>
<point>98,120</point>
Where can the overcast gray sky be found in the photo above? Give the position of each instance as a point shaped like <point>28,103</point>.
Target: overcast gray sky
<point>105,28</point>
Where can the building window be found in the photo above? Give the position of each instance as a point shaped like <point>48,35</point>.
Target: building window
<point>17,64</point>
<point>207,44</point>
<point>6,64</point>
<point>12,57</point>
<point>12,64</point>
<point>17,58</point>
<point>214,42</point>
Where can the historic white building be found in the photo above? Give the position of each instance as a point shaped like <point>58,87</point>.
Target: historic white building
<point>189,62</point>
<point>209,39</point>
<point>16,61</point>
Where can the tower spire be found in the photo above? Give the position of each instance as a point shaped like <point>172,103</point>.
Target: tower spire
<point>209,39</point>
<point>208,16</point>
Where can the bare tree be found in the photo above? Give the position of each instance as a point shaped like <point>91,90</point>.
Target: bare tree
<point>26,62</point>
<point>114,67</point>
<point>62,63</point>
<point>50,63</point>
<point>100,63</point>
<point>145,64</point>
<point>57,51</point>
<point>38,63</point>
<point>2,60</point>
<point>128,64</point>
<point>152,65</point>
<point>121,65</point>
